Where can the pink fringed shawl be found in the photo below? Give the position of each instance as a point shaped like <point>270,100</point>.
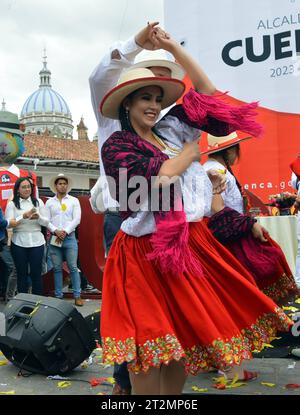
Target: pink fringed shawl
<point>125,150</point>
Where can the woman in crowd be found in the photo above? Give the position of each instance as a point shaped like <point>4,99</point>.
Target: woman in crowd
<point>175,301</point>
<point>28,242</point>
<point>240,233</point>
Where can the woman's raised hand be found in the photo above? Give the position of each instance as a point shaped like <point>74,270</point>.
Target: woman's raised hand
<point>145,37</point>
<point>162,40</point>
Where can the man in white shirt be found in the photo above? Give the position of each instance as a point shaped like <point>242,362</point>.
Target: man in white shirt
<point>64,214</point>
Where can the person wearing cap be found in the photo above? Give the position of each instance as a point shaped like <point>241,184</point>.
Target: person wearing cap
<point>64,214</point>
<point>137,52</point>
<point>242,235</point>
<point>28,242</point>
<point>164,265</point>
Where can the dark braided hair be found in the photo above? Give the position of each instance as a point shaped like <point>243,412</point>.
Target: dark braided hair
<point>125,121</point>
<point>226,160</point>
<point>224,154</point>
<point>16,198</point>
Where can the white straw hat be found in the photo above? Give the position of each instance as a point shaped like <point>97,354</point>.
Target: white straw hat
<point>215,144</point>
<point>57,177</point>
<point>149,58</point>
<point>135,79</point>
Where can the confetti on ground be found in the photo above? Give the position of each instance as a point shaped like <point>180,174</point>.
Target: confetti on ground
<point>97,381</point>
<point>292,386</point>
<point>8,393</point>
<point>102,381</point>
<point>270,385</point>
<point>201,390</point>
<point>290,308</point>
<point>267,345</point>
<point>56,377</point>
<point>223,383</point>
<point>64,384</point>
<point>297,301</point>
<point>3,362</point>
<point>111,380</point>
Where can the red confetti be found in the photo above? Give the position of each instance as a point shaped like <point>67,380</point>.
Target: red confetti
<point>219,386</point>
<point>97,381</point>
<point>292,385</point>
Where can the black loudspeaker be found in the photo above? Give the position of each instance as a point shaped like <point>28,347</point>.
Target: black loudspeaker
<point>45,335</point>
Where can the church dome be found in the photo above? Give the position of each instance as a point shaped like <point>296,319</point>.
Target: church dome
<point>45,100</point>
<point>46,110</point>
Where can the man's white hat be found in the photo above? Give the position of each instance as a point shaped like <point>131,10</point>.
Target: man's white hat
<point>160,57</point>
<point>57,177</point>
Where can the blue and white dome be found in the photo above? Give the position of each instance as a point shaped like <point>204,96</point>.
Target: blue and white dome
<point>45,99</point>
<point>46,111</point>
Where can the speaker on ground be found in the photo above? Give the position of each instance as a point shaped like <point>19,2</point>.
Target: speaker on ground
<point>45,335</point>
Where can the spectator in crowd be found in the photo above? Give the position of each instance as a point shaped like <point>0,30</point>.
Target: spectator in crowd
<point>28,242</point>
<point>64,214</point>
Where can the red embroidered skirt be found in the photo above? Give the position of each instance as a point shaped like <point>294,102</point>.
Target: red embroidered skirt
<point>282,287</point>
<point>215,320</point>
<point>273,277</point>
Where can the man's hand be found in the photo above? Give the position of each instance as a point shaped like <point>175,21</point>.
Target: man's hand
<point>145,37</point>
<point>258,232</point>
<point>60,234</point>
<point>218,180</point>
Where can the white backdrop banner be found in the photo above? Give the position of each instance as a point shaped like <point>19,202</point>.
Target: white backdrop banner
<point>250,48</point>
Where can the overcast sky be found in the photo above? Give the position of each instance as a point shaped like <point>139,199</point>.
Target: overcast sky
<point>76,34</point>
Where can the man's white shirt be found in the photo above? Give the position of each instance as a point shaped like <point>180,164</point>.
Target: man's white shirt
<point>63,215</point>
